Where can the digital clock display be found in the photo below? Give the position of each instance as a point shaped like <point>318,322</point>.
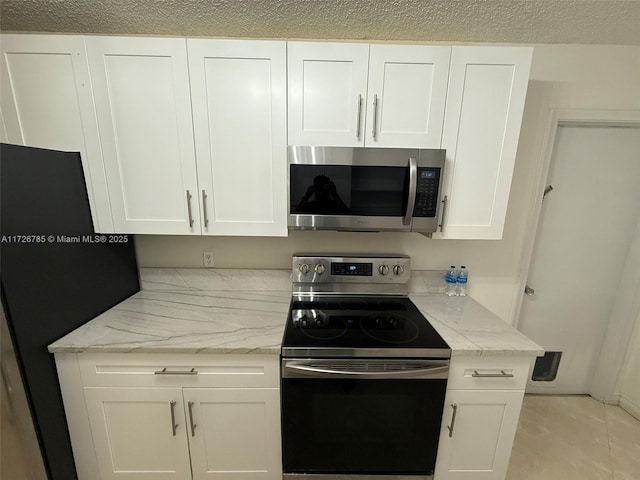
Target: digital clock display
<point>352,269</point>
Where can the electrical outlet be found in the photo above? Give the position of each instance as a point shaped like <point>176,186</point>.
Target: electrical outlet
<point>207,259</point>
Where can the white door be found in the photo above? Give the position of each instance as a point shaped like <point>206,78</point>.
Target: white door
<point>406,95</point>
<point>143,103</point>
<point>478,428</point>
<point>584,235</point>
<point>485,102</point>
<point>47,102</point>
<point>236,433</point>
<point>139,433</point>
<point>327,92</point>
<point>239,103</point>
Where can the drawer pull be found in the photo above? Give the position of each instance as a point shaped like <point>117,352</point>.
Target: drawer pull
<point>502,374</point>
<point>453,419</point>
<point>164,371</point>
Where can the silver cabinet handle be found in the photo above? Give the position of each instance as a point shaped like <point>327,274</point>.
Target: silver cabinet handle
<point>375,117</point>
<point>193,425</point>
<point>174,425</point>
<point>204,208</point>
<point>502,374</point>
<point>413,182</point>
<point>359,117</point>
<point>444,209</point>
<point>189,209</point>
<point>164,371</point>
<point>453,419</point>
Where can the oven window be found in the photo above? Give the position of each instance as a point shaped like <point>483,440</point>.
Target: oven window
<point>361,426</point>
<point>348,190</point>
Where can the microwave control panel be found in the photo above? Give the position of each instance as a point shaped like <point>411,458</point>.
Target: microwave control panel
<point>427,192</point>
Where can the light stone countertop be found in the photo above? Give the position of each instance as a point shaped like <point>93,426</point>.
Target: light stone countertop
<point>244,311</point>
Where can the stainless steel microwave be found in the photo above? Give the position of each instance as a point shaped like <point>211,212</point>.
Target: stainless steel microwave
<point>365,189</point>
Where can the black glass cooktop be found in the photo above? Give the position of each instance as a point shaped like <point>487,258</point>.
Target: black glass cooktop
<point>375,325</point>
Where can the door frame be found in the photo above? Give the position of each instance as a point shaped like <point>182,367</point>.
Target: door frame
<point>605,379</point>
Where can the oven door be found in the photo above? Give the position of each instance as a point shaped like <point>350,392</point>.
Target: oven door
<point>361,417</point>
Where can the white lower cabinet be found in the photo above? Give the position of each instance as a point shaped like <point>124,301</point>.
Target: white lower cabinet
<point>476,443</point>
<point>480,418</point>
<point>170,416</point>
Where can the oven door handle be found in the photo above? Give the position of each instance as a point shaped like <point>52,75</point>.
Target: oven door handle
<point>293,369</point>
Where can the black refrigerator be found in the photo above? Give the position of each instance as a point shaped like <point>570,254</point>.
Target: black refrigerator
<point>56,274</point>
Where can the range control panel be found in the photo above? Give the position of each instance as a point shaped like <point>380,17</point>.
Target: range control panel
<point>316,269</point>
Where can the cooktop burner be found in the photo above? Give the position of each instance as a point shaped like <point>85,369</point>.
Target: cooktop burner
<point>356,306</point>
<point>359,323</point>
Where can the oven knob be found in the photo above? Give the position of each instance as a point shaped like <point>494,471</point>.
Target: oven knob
<point>398,269</point>
<point>319,269</point>
<point>304,268</point>
<point>383,269</point>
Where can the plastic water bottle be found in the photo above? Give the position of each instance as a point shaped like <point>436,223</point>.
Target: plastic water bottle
<point>461,281</point>
<point>451,278</point>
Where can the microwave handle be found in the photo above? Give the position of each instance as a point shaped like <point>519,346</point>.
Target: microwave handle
<point>413,181</point>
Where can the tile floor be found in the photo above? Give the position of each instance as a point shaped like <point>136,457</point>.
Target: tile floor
<point>574,438</point>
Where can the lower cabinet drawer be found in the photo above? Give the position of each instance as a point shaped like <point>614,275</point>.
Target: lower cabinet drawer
<point>491,372</point>
<point>181,370</point>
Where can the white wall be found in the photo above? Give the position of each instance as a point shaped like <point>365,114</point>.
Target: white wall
<point>629,385</point>
<point>562,76</point>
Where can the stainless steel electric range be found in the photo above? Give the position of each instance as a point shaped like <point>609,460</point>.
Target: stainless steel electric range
<point>363,373</point>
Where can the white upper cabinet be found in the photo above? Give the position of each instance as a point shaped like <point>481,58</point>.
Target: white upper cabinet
<point>238,91</point>
<point>356,95</point>
<point>406,95</point>
<point>327,93</point>
<point>485,102</point>
<point>46,102</point>
<point>143,104</point>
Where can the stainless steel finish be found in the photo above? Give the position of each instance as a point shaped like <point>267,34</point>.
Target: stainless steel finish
<point>316,283</point>
<point>319,269</point>
<point>193,425</point>
<point>306,291</point>
<point>189,208</point>
<point>339,476</point>
<point>174,425</point>
<point>453,419</point>
<point>359,117</point>
<point>502,374</point>
<point>314,476</point>
<point>529,291</point>
<point>164,371</point>
<point>204,208</point>
<point>359,156</point>
<point>304,352</point>
<point>362,368</point>
<point>398,269</point>
<point>303,268</point>
<point>444,209</point>
<point>375,116</point>
<point>413,185</point>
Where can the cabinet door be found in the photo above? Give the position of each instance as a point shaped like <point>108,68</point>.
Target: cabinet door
<point>236,434</point>
<point>141,89</point>
<point>134,434</point>
<point>327,93</point>
<point>406,95</point>
<point>46,102</point>
<point>483,424</point>
<point>485,101</point>
<point>239,109</point>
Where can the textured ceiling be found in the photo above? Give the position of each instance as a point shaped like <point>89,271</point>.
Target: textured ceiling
<point>502,21</point>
